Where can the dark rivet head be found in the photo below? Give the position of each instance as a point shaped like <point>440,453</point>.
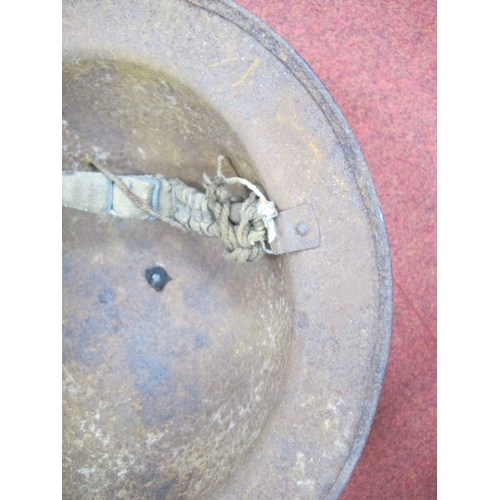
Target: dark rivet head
<point>301,228</point>
<point>157,277</point>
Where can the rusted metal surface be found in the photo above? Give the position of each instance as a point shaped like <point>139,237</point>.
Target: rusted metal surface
<point>296,229</point>
<point>253,381</point>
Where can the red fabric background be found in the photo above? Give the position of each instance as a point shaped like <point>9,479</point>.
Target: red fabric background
<point>378,60</point>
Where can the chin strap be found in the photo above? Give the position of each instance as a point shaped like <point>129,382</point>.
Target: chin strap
<point>245,225</point>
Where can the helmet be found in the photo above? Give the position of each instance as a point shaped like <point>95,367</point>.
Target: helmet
<point>255,380</point>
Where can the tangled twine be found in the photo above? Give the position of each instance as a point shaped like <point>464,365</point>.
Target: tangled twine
<point>245,225</point>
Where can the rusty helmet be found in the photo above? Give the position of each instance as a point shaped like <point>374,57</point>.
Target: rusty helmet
<point>256,380</point>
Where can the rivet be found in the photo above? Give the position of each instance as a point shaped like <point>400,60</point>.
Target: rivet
<point>301,228</point>
<point>157,277</point>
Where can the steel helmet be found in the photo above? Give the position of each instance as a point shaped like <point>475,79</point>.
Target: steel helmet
<point>254,380</point>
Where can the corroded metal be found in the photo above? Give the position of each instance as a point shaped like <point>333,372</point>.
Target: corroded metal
<point>254,381</point>
<point>296,229</point>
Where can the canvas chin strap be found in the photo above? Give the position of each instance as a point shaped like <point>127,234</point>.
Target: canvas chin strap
<point>245,225</point>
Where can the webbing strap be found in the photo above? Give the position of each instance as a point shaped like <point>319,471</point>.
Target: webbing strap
<point>94,192</point>
<point>245,225</point>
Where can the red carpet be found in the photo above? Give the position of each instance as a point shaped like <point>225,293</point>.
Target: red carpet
<point>378,60</point>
